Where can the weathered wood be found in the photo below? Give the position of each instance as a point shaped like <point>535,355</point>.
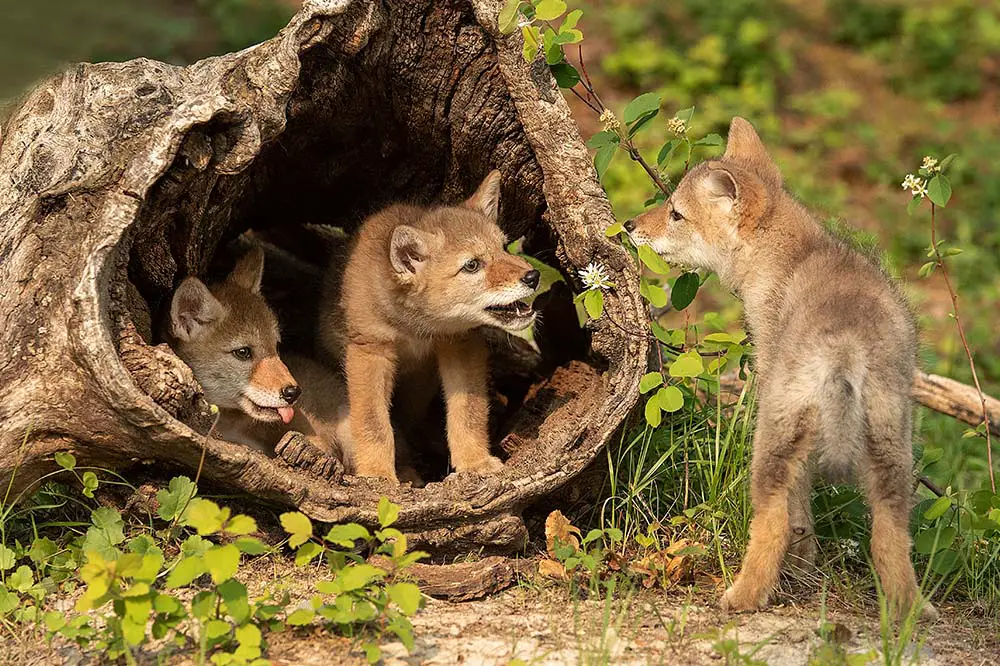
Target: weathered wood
<point>118,179</point>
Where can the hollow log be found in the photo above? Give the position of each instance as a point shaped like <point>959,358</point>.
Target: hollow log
<point>117,180</point>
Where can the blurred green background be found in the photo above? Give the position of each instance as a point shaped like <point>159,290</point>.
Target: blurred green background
<point>850,94</point>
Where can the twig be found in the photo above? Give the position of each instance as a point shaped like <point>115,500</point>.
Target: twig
<point>965,344</point>
<point>930,485</point>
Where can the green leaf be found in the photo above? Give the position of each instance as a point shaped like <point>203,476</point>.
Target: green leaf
<point>951,251</point>
<point>614,230</point>
<point>298,526</point>
<point>924,541</point>
<point>234,594</point>
<point>106,533</point>
<point>345,535</point>
<point>593,302</point>
<point>670,398</point>
<point>90,483</point>
<point>216,628</point>
<point>306,552</point>
<point>65,460</point>
<point>603,158</point>
<point>685,115</point>
<point>357,576</point>
<point>42,549</point>
<point>653,261</point>
<point>553,49</point>
<point>660,333</point>
<point>222,562</point>
<point>571,20</point>
<point>650,381</point>
<point>387,512</point>
<point>8,600</point>
<point>372,652</point>
<point>205,516</point>
<point>709,140</point>
<point>602,139</point>
<point>927,269</point>
<point>687,365</point>
<point>548,10</point>
<point>251,546</point>
<point>21,579</point>
<point>406,596</point>
<point>507,21</point>
<point>7,558</point>
<point>174,497</point>
<point>203,604</point>
<point>532,40</point>
<point>565,75</point>
<point>939,190</point>
<point>914,204</point>
<point>946,162</point>
<point>938,509</point>
<point>684,291</point>
<point>667,151</point>
<point>945,562</point>
<point>653,293</point>
<point>188,569</point>
<point>641,106</point>
<point>652,412</point>
<point>240,525</point>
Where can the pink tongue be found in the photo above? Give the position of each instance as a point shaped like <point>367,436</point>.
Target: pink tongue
<point>286,414</point>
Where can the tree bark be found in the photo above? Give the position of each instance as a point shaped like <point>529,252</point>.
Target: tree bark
<point>119,179</point>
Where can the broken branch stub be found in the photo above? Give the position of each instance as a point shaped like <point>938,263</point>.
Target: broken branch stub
<point>119,179</point>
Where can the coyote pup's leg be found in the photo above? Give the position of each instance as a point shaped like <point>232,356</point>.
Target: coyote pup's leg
<point>887,479</point>
<point>370,373</point>
<point>801,556</point>
<point>780,451</point>
<point>462,363</point>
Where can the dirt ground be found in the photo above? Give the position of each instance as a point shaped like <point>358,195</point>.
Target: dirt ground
<point>542,623</point>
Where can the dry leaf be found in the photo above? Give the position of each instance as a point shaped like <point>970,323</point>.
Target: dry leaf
<point>552,569</point>
<point>557,526</point>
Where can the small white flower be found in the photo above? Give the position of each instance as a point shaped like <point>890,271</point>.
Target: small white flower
<point>595,276</point>
<point>930,164</point>
<point>676,125</point>
<point>915,184</point>
<point>609,120</point>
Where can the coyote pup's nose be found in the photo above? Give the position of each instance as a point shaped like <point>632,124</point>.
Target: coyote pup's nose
<point>630,225</point>
<point>531,278</point>
<point>291,393</point>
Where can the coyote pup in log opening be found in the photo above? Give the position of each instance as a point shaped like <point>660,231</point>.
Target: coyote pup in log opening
<point>835,355</point>
<point>417,284</point>
<point>229,337</point>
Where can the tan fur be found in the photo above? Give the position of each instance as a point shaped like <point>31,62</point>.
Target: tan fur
<point>835,351</point>
<point>404,304</point>
<point>208,323</point>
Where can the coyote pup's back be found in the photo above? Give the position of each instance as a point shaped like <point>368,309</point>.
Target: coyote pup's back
<point>835,351</point>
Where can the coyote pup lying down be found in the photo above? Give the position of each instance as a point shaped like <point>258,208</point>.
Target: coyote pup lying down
<point>417,284</point>
<point>835,354</point>
<point>229,337</point>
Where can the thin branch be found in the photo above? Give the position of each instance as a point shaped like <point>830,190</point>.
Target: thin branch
<point>965,344</point>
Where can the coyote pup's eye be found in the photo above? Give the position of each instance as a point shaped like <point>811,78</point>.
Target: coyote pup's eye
<point>675,216</point>
<point>471,266</point>
<point>243,353</point>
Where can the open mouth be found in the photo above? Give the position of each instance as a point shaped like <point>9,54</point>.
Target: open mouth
<point>516,315</point>
<point>284,414</point>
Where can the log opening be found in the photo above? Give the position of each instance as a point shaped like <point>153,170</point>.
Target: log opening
<point>123,178</point>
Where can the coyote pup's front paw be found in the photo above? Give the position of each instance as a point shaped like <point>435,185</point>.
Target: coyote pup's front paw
<point>483,466</point>
<point>738,598</point>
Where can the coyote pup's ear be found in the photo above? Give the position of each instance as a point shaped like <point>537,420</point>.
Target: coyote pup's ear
<point>192,309</point>
<point>486,200</point>
<point>719,187</point>
<point>744,144</point>
<point>407,250</point>
<point>249,270</point>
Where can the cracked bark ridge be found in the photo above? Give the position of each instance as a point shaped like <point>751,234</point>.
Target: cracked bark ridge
<point>118,179</point>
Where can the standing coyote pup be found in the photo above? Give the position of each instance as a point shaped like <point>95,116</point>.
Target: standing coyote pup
<point>835,355</point>
<point>229,337</point>
<point>418,282</point>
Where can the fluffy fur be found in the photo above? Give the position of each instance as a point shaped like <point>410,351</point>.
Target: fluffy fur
<point>835,347</point>
<point>418,283</point>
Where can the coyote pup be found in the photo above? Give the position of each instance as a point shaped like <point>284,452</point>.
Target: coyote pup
<point>229,337</point>
<point>835,354</point>
<point>417,284</point>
